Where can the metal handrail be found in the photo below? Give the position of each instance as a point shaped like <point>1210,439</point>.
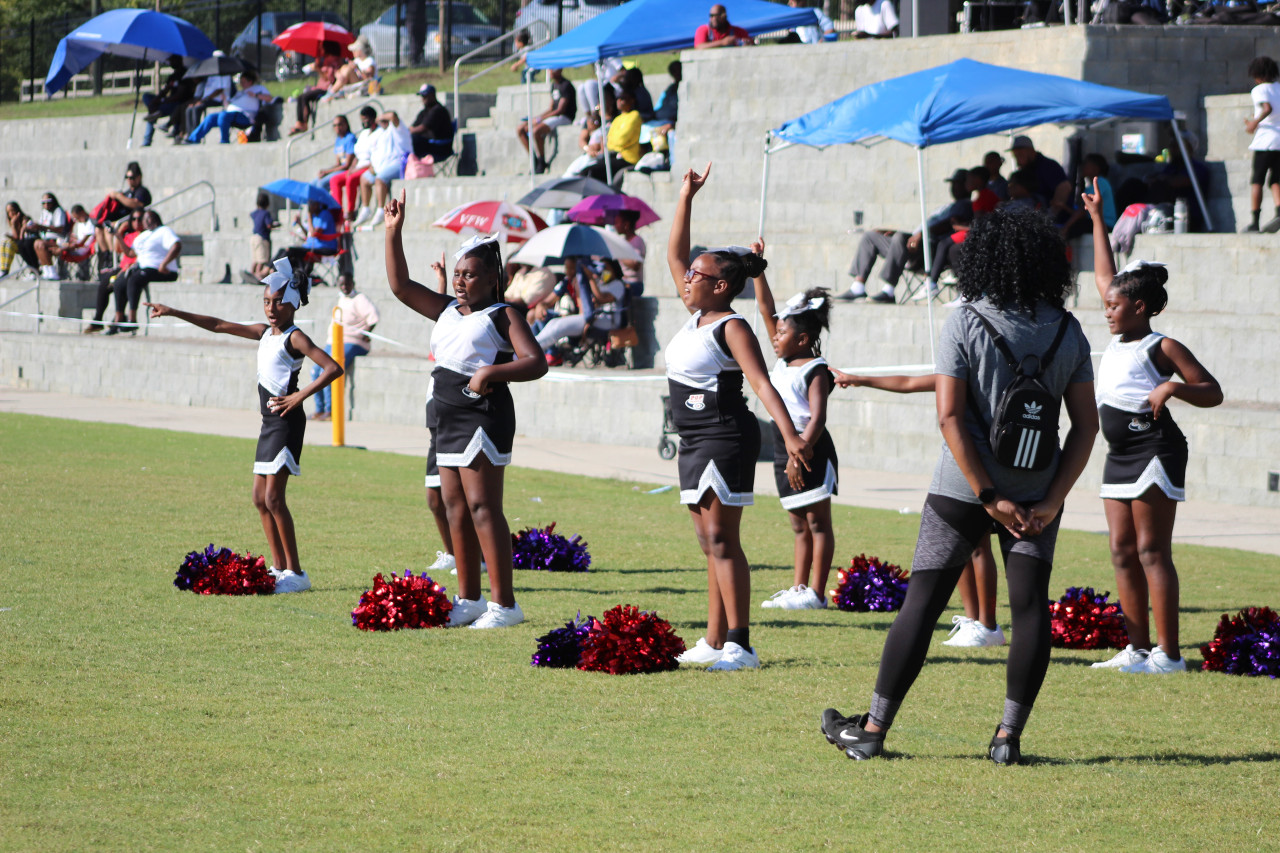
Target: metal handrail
<point>457,64</point>
<point>211,203</point>
<point>311,135</point>
<point>36,288</point>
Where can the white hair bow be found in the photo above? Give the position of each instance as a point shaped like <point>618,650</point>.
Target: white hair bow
<point>1134,266</point>
<point>476,242</point>
<point>282,279</point>
<point>798,305</point>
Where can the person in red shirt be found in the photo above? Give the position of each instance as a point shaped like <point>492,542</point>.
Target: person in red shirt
<point>986,199</point>
<point>719,32</point>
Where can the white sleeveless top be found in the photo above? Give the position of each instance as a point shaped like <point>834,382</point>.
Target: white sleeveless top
<point>1127,374</point>
<point>792,385</point>
<point>275,366</point>
<point>694,356</point>
<point>464,343</point>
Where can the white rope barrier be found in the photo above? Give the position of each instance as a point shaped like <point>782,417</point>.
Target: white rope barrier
<point>84,322</point>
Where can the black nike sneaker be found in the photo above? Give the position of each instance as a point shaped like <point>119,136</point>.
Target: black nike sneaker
<point>1005,750</point>
<point>848,734</point>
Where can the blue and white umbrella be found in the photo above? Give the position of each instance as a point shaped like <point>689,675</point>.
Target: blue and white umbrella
<point>558,242</point>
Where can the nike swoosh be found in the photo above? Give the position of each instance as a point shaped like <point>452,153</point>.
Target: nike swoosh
<point>854,738</point>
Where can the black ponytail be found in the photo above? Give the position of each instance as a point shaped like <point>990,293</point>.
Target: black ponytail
<point>736,269</point>
<point>1146,284</point>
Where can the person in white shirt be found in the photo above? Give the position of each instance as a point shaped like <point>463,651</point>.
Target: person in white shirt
<point>44,232</point>
<point>348,182</point>
<point>1265,127</point>
<point>156,252</point>
<point>823,31</point>
<point>240,110</point>
<point>392,145</point>
<point>357,315</point>
<point>212,91</point>
<point>876,19</point>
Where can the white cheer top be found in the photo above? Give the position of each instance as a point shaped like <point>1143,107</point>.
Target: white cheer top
<point>464,343</point>
<point>1127,374</point>
<point>695,358</point>
<point>275,366</point>
<point>792,385</point>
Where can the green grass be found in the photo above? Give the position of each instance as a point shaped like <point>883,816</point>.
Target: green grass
<point>135,717</point>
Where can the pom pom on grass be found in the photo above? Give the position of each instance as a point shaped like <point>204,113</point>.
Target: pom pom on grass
<point>545,550</point>
<point>628,640</point>
<point>407,602</point>
<point>220,571</point>
<point>562,648</point>
<point>869,585</point>
<point>1246,644</point>
<point>1084,619</point>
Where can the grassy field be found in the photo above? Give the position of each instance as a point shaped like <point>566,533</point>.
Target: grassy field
<point>136,717</point>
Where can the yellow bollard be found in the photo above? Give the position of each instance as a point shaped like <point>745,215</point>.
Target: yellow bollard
<point>338,390</point>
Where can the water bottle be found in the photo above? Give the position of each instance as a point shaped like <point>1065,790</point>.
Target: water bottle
<point>1180,216</point>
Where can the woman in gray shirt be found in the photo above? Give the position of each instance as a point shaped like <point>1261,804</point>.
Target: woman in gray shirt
<point>1015,274</point>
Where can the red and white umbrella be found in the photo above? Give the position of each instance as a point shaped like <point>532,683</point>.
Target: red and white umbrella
<point>308,37</point>
<point>486,217</point>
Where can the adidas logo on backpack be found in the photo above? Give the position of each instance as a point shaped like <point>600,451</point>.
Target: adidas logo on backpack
<point>1024,432</point>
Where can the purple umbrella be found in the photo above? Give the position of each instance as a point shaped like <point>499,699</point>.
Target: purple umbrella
<point>599,209</point>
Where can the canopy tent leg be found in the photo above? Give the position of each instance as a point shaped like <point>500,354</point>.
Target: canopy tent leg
<point>924,244</point>
<point>764,184</point>
<point>1191,172</point>
<point>604,128</point>
<point>137,93</point>
<point>528,96</point>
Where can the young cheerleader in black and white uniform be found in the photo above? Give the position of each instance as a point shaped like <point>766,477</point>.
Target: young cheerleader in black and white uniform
<point>281,349</point>
<point>719,437</point>
<point>480,344</point>
<point>803,381</point>
<point>435,497</point>
<point>1143,480</point>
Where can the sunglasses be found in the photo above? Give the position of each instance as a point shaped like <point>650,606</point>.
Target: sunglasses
<point>691,272</point>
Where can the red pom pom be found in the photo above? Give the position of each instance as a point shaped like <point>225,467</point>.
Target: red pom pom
<point>627,640</point>
<point>1083,619</point>
<point>407,602</point>
<point>219,571</point>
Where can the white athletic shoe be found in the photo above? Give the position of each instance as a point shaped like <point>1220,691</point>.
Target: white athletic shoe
<point>1157,663</point>
<point>291,581</point>
<point>497,616</point>
<point>801,598</point>
<point>465,611</point>
<point>377,218</point>
<point>363,216</point>
<point>701,653</point>
<point>926,293</point>
<point>735,657</point>
<point>1128,657</point>
<point>50,273</point>
<point>781,597</point>
<point>970,633</point>
<point>444,561</point>
<point>274,572</point>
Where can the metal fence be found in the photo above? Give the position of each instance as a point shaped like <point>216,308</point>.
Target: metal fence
<point>27,47</point>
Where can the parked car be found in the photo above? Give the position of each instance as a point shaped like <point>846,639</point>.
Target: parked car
<point>470,27</point>
<point>571,13</point>
<point>285,64</point>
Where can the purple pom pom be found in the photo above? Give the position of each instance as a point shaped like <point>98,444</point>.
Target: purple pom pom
<point>548,551</point>
<point>870,585</point>
<point>562,647</point>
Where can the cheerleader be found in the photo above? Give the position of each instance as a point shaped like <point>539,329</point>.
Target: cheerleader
<point>803,381</point>
<point>479,344</point>
<point>435,500</point>
<point>281,348</point>
<point>719,437</point>
<point>1144,476</point>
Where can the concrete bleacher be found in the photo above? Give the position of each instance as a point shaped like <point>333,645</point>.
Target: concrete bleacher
<point>1220,291</point>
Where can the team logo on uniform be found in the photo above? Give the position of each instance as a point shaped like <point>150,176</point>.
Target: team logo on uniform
<point>1033,410</point>
<point>1139,425</point>
<point>696,402</point>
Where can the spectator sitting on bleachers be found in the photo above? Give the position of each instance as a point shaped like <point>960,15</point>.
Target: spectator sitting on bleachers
<point>595,285</point>
<point>15,224</point>
<point>875,19</point>
<point>123,236</point>
<point>824,30</point>
<point>119,204</point>
<point>1022,191</point>
<point>348,183</point>
<point>1092,167</point>
<point>633,82</point>
<point>719,32</point>
<point>155,252</point>
<point>979,181</point>
<point>77,246</point>
<point>529,285</point>
<point>564,106</point>
<point>391,147</point>
<point>1052,187</point>
<point>357,315</point>
<point>213,91</point>
<point>994,162</point>
<point>322,237</point>
<point>326,70</point>
<point>622,144</point>
<point>948,249</point>
<point>39,234</point>
<point>240,111</point>
<point>173,95</point>
<point>1146,13</point>
<point>357,76</point>
<point>432,130</point>
<point>344,157</point>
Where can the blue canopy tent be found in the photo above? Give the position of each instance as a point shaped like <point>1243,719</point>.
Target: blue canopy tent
<point>653,26</point>
<point>962,100</point>
<point>138,33</point>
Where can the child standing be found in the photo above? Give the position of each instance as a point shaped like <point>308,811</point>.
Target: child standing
<point>719,438</point>
<point>260,239</point>
<point>1265,127</point>
<point>1146,452</point>
<point>803,381</point>
<point>281,348</point>
<point>479,344</point>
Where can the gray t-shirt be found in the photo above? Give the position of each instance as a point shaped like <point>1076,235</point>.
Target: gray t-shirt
<point>966,351</point>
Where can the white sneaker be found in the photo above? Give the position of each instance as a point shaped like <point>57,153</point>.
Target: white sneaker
<point>780,598</point>
<point>1157,663</point>
<point>970,633</point>
<point>50,273</point>
<point>1128,657</point>
<point>701,652</point>
<point>444,561</point>
<point>806,599</point>
<point>291,581</point>
<point>274,572</point>
<point>465,611</point>
<point>735,657</point>
<point>363,216</point>
<point>497,616</point>
<point>926,293</point>
<point>377,218</point>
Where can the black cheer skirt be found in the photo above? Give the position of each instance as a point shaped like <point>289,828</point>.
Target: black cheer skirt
<point>468,425</point>
<point>433,467</point>
<point>280,442</point>
<point>1142,452</point>
<point>820,481</point>
<point>718,448</point>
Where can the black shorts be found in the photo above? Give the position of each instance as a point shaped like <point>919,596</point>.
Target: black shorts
<point>1264,162</point>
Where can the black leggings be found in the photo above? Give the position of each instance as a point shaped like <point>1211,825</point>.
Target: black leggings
<point>129,285</point>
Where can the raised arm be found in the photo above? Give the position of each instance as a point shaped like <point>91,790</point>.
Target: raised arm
<point>1104,263</point>
<point>896,384</point>
<point>420,298</point>
<point>209,324</point>
<point>764,296</point>
<point>678,242</point>
<point>746,352</point>
<point>1199,388</point>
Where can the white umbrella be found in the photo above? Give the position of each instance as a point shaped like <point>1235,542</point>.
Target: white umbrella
<point>574,240</point>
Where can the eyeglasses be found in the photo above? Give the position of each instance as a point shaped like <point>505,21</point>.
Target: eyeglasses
<point>130,176</point>
<point>46,201</point>
<point>691,272</point>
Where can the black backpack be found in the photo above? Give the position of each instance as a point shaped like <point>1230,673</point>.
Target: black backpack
<point>1024,432</point>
